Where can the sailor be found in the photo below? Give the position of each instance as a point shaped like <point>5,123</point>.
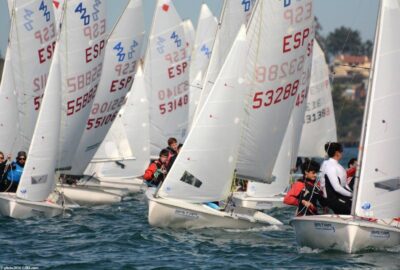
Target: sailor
<point>351,172</point>
<point>334,183</point>
<point>157,170</point>
<point>305,193</point>
<point>14,172</point>
<point>172,148</point>
<point>3,170</point>
<point>173,158</point>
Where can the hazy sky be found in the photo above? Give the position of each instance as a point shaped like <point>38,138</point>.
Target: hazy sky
<point>357,14</point>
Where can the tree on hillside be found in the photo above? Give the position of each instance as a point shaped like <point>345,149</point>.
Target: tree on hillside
<point>368,46</point>
<point>348,114</point>
<point>344,40</point>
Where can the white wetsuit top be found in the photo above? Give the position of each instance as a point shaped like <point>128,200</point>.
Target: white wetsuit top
<point>337,177</point>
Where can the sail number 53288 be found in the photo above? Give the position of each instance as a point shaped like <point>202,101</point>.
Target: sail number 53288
<point>275,96</point>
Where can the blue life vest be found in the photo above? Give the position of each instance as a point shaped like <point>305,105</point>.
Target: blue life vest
<point>14,175</point>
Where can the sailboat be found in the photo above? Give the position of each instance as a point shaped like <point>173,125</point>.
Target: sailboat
<point>37,180</point>
<point>374,221</point>
<point>205,168</point>
<point>122,54</point>
<point>180,200</point>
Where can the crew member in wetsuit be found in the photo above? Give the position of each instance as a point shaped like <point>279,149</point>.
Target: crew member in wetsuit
<point>157,170</point>
<point>336,191</point>
<point>14,172</point>
<point>305,193</point>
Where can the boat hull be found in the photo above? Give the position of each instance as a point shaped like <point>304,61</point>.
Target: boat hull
<point>85,196</point>
<point>183,215</point>
<point>344,233</point>
<point>11,206</point>
<point>133,185</point>
<point>265,203</point>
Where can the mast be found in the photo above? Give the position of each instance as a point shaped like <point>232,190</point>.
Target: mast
<point>366,111</point>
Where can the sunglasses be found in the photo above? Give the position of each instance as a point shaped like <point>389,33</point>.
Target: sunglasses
<point>1,157</point>
<point>21,158</point>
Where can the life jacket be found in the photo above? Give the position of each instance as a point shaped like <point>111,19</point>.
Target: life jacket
<point>311,193</point>
<point>158,176</point>
<point>14,175</point>
<point>171,153</point>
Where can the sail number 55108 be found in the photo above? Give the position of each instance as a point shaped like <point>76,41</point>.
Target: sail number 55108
<point>269,97</point>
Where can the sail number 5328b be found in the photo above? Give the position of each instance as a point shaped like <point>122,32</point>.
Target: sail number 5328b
<point>275,96</point>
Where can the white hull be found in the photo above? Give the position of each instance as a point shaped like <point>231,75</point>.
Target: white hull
<point>180,214</point>
<point>11,206</point>
<point>264,203</point>
<point>132,184</point>
<point>344,233</point>
<point>85,196</point>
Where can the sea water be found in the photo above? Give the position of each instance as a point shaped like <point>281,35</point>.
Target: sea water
<point>118,237</point>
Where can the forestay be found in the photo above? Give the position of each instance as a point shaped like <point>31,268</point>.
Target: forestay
<point>133,124</point>
<point>276,75</point>
<point>166,74</point>
<point>234,14</point>
<point>32,39</point>
<point>201,54</point>
<point>379,184</point>
<point>204,168</point>
<point>319,122</point>
<point>81,57</point>
<point>38,178</point>
<point>122,54</point>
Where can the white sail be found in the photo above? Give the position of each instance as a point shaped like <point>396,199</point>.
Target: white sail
<point>202,50</point>
<point>379,183</point>
<point>133,124</point>
<point>166,74</point>
<point>9,111</point>
<point>32,39</point>
<point>234,14</point>
<point>289,149</point>
<point>190,34</point>
<point>57,7</point>
<point>319,122</point>
<point>192,177</point>
<point>115,145</point>
<point>277,73</point>
<point>38,178</point>
<point>82,45</point>
<point>122,53</point>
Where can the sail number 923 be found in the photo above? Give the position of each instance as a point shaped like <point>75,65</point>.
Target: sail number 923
<point>269,97</point>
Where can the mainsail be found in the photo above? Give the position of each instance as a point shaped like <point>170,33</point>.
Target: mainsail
<point>277,74</point>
